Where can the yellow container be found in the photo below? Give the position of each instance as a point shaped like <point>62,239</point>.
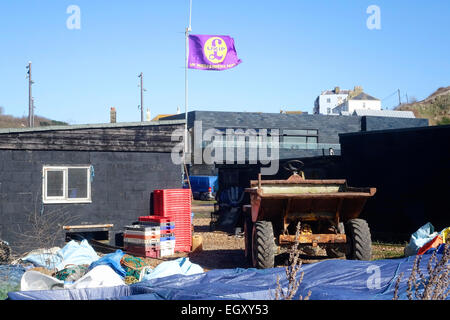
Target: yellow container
<point>197,243</point>
<point>446,235</point>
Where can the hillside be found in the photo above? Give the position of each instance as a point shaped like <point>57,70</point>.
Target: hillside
<point>435,108</point>
<point>8,121</point>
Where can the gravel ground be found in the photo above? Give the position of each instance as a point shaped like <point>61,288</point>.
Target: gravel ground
<point>221,250</point>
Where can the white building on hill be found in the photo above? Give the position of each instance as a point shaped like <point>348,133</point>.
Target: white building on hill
<point>361,101</point>
<point>329,99</point>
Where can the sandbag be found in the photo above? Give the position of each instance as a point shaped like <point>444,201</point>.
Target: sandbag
<point>434,243</point>
<point>445,234</point>
<point>419,238</point>
<point>179,266</point>
<point>35,280</point>
<point>57,259</point>
<point>72,273</point>
<point>439,249</point>
<point>112,260</point>
<point>46,258</point>
<point>100,276</point>
<point>75,253</point>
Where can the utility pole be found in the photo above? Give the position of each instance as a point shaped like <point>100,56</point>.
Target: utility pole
<point>32,108</point>
<point>142,96</point>
<point>188,29</point>
<point>399,98</point>
<point>30,98</point>
<point>186,145</point>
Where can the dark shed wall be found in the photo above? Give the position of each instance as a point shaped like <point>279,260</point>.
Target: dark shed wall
<point>410,169</point>
<point>121,186</point>
<point>329,127</point>
<point>386,123</point>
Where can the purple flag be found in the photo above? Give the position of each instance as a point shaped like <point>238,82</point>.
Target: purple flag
<point>212,53</point>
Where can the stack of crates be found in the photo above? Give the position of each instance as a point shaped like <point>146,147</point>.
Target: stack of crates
<point>142,240</point>
<point>166,229</point>
<point>176,204</point>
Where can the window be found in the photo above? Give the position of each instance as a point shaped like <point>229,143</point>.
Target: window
<point>300,138</point>
<point>246,137</point>
<point>328,100</point>
<point>294,140</point>
<point>311,140</point>
<point>66,184</point>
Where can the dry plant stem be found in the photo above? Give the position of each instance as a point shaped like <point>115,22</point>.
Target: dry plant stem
<point>44,229</point>
<point>435,285</point>
<point>291,273</point>
<point>397,285</point>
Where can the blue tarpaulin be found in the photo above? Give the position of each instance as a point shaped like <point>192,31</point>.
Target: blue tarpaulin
<point>327,280</point>
<point>10,275</point>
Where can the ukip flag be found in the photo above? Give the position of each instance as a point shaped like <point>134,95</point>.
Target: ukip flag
<point>212,52</point>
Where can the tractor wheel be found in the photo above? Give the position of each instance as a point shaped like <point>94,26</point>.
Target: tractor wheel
<point>263,246</point>
<point>248,234</point>
<point>358,240</point>
<point>337,250</point>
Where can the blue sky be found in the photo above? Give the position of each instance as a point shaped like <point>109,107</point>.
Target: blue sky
<point>291,51</point>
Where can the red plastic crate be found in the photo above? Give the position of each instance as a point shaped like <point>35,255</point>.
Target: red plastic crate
<point>155,218</point>
<point>176,204</point>
<point>142,237</point>
<point>183,249</point>
<point>168,202</point>
<point>144,253</point>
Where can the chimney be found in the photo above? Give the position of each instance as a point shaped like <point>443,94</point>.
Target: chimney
<point>148,115</point>
<point>113,115</point>
<point>337,90</point>
<point>358,89</point>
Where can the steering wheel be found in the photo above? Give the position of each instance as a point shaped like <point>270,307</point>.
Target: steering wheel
<point>294,166</point>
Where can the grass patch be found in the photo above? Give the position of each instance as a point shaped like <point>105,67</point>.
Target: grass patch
<point>382,251</point>
<point>4,289</point>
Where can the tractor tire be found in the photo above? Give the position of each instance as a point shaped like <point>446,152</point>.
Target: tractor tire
<point>359,240</point>
<point>248,235</point>
<point>263,246</point>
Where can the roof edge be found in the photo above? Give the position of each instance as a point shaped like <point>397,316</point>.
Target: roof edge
<point>440,127</point>
<point>93,126</point>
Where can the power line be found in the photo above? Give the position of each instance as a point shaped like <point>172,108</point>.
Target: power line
<point>393,93</point>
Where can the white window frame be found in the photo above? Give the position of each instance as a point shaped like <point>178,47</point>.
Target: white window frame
<point>65,198</point>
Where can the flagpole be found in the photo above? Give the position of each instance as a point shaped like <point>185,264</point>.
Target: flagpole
<point>188,29</point>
